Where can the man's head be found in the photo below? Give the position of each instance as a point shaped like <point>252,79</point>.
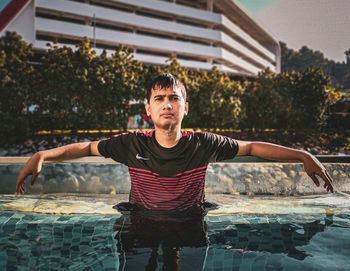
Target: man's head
<point>167,102</point>
<point>166,80</point>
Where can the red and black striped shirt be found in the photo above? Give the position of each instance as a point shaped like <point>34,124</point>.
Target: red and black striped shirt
<point>167,178</point>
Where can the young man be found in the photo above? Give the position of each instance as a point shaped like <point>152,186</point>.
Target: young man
<point>167,166</point>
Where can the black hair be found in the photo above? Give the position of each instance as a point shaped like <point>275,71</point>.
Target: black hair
<point>166,80</point>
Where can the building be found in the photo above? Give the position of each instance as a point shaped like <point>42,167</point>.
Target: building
<point>199,33</point>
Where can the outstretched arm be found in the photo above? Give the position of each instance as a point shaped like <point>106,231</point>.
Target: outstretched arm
<point>34,164</point>
<point>276,152</point>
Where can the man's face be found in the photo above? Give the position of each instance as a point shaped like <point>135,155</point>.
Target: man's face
<point>166,107</point>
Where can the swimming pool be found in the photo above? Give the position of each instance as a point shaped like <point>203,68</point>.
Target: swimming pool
<point>77,231</point>
<point>256,233</point>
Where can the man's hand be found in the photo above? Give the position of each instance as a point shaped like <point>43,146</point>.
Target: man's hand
<point>32,167</point>
<point>313,167</point>
<point>34,164</point>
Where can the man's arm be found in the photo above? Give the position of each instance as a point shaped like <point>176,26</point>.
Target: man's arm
<point>276,152</point>
<point>34,164</point>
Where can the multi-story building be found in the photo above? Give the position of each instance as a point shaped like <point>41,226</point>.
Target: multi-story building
<point>199,33</point>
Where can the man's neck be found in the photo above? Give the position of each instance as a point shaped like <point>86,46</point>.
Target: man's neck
<point>168,138</point>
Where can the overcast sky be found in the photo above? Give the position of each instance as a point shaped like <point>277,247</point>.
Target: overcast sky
<point>322,25</point>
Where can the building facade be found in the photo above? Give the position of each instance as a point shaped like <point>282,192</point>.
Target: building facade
<point>199,33</point>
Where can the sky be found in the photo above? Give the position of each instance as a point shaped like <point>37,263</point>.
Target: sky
<point>3,4</point>
<point>322,25</point>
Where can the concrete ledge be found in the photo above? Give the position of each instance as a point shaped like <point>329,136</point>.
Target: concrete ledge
<point>97,175</point>
<point>321,158</point>
<point>239,159</point>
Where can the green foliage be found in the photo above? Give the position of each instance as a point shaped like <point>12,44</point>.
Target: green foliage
<point>304,58</point>
<point>15,85</point>
<point>261,103</point>
<point>214,100</point>
<point>300,60</point>
<point>309,92</point>
<point>339,110</point>
<point>79,90</point>
<point>289,100</point>
<point>340,73</point>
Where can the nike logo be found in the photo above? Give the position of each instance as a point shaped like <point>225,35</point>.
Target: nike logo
<point>139,157</point>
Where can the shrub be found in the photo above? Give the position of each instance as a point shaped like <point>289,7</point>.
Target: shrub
<point>80,90</point>
<point>15,86</point>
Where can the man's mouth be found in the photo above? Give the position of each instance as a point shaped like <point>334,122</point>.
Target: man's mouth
<point>167,115</point>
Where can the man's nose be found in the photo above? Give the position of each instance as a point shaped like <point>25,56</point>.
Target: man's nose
<point>167,105</point>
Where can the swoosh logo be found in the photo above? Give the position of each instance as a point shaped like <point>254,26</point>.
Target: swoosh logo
<point>139,157</point>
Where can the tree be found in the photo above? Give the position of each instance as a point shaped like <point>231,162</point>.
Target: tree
<point>310,94</point>
<point>300,60</point>
<point>79,90</point>
<point>289,100</point>
<point>263,106</point>
<point>15,85</point>
<point>215,100</point>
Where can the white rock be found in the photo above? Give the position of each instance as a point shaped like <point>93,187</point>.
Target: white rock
<point>292,173</point>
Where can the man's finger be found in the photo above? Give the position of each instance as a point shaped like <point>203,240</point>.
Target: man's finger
<point>328,181</point>
<point>21,189</point>
<point>18,185</point>
<point>316,181</point>
<point>327,178</point>
<point>329,187</point>
<point>21,178</point>
<point>32,180</point>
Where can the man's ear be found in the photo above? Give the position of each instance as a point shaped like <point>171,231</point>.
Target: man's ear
<point>186,108</point>
<point>148,110</point>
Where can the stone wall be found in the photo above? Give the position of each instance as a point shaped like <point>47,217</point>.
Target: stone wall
<point>221,178</point>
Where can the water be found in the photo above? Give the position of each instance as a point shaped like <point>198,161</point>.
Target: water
<point>70,232</point>
<point>273,242</point>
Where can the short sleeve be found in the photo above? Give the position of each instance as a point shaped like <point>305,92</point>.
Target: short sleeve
<point>220,147</point>
<point>116,147</point>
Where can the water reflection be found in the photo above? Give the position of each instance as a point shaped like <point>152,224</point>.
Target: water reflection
<point>148,241</point>
<point>270,237</point>
<point>155,241</point>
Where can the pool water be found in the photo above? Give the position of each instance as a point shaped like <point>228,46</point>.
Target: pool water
<point>70,232</point>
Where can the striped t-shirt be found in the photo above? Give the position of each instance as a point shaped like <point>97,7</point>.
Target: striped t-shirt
<point>167,178</point>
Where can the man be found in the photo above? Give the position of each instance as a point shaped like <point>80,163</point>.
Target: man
<point>168,155</point>
<point>167,168</point>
